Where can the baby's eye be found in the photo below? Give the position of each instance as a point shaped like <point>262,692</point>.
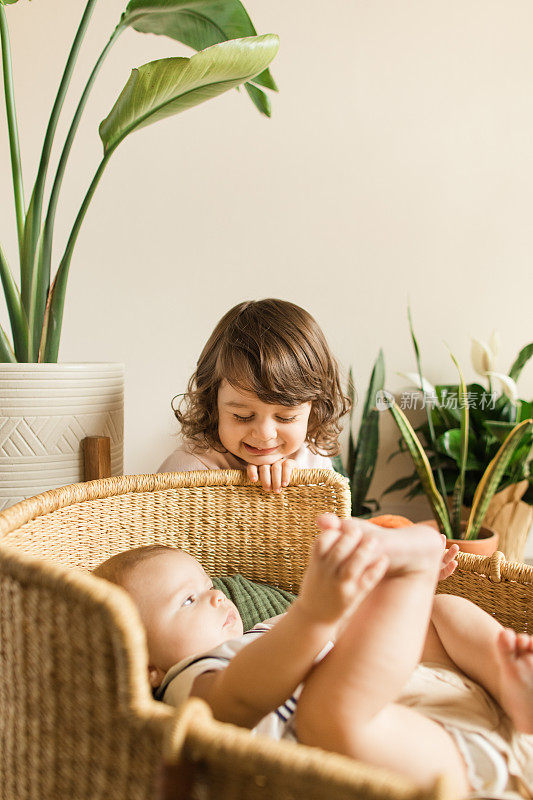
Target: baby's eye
<point>286,419</point>
<point>242,419</point>
<point>189,600</point>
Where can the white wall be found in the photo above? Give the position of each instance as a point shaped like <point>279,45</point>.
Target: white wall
<point>398,164</point>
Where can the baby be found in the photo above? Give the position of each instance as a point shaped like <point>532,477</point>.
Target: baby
<point>466,710</point>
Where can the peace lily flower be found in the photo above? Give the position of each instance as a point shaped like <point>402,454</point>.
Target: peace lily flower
<point>483,355</point>
<point>508,385</point>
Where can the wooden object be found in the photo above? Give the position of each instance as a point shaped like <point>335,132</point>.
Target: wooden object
<point>96,457</point>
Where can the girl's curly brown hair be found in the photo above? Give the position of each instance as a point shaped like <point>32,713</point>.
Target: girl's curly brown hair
<point>276,350</point>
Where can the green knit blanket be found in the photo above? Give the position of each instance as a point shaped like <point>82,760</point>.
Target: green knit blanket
<point>255,601</point>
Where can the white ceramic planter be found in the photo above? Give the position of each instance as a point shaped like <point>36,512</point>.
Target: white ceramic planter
<point>45,412</point>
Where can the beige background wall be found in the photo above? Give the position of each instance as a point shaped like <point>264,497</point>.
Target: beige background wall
<point>397,164</point>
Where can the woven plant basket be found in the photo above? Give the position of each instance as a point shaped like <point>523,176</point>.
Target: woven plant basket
<point>512,519</point>
<point>77,719</point>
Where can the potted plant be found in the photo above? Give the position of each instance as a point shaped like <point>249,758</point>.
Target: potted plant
<point>362,455</point>
<point>47,430</point>
<point>472,444</point>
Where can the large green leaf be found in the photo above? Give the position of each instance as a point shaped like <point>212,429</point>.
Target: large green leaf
<point>162,88</point>
<point>493,476</point>
<point>156,91</point>
<point>520,361</point>
<point>199,24</point>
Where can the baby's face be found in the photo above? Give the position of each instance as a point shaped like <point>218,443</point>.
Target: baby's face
<point>259,433</point>
<point>181,610</point>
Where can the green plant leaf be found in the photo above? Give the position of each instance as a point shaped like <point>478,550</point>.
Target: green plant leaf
<point>6,351</point>
<point>423,468</point>
<point>520,361</point>
<point>525,410</point>
<point>427,406</point>
<point>338,465</point>
<point>199,24</point>
<point>401,484</point>
<point>499,430</point>
<point>459,488</point>
<point>450,444</point>
<point>156,91</point>
<point>17,317</point>
<point>366,452</point>
<point>259,98</point>
<point>492,477</point>
<point>166,87</point>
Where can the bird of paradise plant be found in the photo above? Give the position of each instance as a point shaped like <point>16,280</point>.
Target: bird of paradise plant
<point>230,54</point>
<point>510,441</point>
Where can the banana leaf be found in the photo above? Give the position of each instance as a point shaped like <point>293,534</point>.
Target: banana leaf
<point>153,92</point>
<point>169,86</point>
<point>493,474</point>
<point>200,24</point>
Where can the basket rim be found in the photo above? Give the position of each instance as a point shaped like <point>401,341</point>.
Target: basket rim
<point>27,510</point>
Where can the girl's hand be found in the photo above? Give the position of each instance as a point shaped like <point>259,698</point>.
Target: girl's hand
<point>272,476</point>
<point>344,567</point>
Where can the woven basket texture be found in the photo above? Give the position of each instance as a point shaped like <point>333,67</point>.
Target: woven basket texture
<point>76,716</point>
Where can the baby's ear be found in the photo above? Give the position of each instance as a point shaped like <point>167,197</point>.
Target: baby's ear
<point>155,676</point>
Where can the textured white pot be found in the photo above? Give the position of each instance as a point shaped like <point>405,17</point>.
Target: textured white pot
<point>45,412</point>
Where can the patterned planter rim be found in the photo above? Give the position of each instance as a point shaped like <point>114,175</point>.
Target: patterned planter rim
<point>45,412</point>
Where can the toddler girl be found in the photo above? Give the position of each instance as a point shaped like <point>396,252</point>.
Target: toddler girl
<point>265,397</point>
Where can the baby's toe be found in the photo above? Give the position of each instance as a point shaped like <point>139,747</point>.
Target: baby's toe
<point>507,641</point>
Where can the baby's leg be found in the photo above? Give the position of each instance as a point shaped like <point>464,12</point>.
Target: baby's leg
<point>474,642</point>
<point>347,703</point>
<point>515,656</point>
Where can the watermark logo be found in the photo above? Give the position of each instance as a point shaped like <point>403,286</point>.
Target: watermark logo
<point>450,401</point>
<point>384,400</point>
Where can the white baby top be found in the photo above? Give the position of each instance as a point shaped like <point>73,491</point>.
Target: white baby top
<point>177,683</point>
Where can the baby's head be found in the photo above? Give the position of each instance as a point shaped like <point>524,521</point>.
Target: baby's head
<point>265,361</point>
<point>182,612</point>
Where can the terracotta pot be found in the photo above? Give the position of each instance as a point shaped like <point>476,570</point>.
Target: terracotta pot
<point>485,545</point>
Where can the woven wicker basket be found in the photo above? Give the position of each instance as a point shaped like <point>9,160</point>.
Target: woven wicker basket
<point>77,719</point>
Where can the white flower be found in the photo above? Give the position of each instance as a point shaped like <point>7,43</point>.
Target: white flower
<point>508,385</point>
<point>414,379</point>
<point>483,355</point>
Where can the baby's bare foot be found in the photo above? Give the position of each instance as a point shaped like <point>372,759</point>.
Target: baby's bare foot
<point>417,548</point>
<point>515,656</point>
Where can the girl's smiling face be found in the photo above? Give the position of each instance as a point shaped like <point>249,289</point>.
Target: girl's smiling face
<point>257,432</point>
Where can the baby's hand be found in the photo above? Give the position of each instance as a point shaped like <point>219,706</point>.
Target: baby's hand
<point>344,567</point>
<point>272,476</point>
<point>449,560</point>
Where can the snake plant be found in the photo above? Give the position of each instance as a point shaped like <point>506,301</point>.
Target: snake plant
<point>515,447</point>
<point>231,54</point>
<point>362,456</point>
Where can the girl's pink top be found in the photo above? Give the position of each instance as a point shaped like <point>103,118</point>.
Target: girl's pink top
<point>184,459</point>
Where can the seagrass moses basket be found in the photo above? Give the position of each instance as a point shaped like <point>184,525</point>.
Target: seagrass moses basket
<point>77,719</point>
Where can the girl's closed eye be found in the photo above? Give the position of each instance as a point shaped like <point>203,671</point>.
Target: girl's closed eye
<point>242,419</point>
<point>286,419</point>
